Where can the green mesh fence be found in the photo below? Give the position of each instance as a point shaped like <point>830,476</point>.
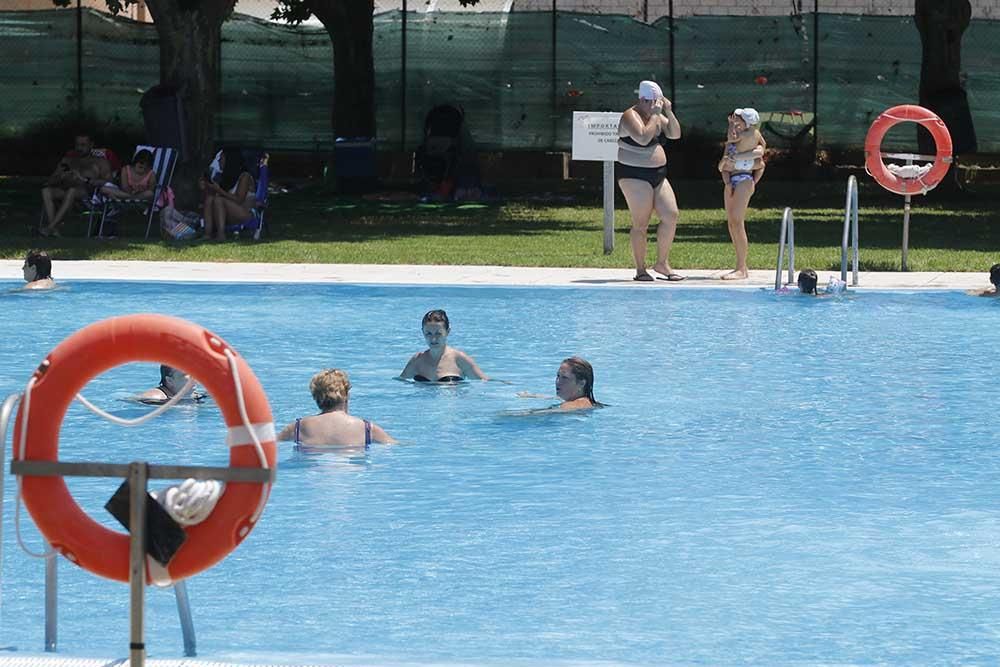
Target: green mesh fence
<point>519,76</point>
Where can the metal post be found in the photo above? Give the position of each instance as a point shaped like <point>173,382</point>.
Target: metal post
<point>187,623</point>
<point>609,207</point>
<point>79,58</point>
<point>906,221</point>
<point>555,73</point>
<point>670,25</point>
<point>645,11</point>
<point>815,78</point>
<point>850,229</point>
<point>51,604</point>
<point>6,412</point>
<point>906,229</point>
<point>791,246</point>
<point>781,251</point>
<point>854,233</point>
<point>137,478</point>
<point>402,82</point>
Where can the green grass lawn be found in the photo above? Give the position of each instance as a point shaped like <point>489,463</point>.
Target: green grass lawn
<point>314,224</point>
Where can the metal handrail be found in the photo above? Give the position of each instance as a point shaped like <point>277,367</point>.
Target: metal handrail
<point>787,235</point>
<point>851,225</point>
<point>6,410</point>
<point>162,472</point>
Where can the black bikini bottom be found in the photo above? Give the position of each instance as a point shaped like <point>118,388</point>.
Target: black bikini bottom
<point>444,378</point>
<point>652,175</point>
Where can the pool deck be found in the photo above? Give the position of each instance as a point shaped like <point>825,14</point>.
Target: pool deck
<point>404,274</point>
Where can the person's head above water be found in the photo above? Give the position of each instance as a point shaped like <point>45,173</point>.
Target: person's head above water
<point>37,266</point>
<point>330,389</point>
<point>435,327</point>
<point>575,379</point>
<point>172,380</point>
<point>807,281</point>
<point>995,275</point>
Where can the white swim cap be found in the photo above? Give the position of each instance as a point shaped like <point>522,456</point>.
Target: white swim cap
<point>749,115</point>
<point>649,90</point>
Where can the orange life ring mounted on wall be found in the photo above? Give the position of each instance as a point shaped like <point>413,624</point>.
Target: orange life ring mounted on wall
<point>113,342</point>
<point>917,184</point>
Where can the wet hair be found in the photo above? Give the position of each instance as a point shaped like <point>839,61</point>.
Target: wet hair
<point>165,373</point>
<point>330,388</point>
<point>232,170</point>
<point>995,275</point>
<point>436,316</point>
<point>582,370</point>
<point>143,156</point>
<point>807,281</point>
<point>40,260</point>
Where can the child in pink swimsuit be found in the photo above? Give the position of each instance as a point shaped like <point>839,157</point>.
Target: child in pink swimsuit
<point>137,180</point>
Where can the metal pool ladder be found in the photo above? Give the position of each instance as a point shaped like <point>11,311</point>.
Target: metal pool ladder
<point>787,237</point>
<point>51,607</point>
<point>850,225</point>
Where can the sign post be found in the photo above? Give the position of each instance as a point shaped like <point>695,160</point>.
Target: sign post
<point>595,138</point>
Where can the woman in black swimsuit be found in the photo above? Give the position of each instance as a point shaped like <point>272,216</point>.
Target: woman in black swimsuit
<point>333,425</point>
<point>641,172</point>
<point>440,363</point>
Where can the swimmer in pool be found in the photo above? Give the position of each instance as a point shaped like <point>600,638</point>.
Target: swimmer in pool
<point>574,385</point>
<point>333,425</point>
<point>38,270</point>
<point>994,279</point>
<point>440,363</point>
<point>807,284</point>
<point>172,381</point>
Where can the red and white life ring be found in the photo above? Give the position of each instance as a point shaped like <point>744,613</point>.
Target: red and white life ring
<point>920,184</point>
<point>113,342</point>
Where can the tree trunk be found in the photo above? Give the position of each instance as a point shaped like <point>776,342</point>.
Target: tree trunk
<point>941,24</point>
<point>350,26</point>
<point>190,35</point>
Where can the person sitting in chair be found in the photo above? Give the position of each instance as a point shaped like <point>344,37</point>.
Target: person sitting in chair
<point>136,181</point>
<point>232,199</point>
<point>77,173</point>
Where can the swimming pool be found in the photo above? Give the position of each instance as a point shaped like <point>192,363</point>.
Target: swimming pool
<point>779,479</point>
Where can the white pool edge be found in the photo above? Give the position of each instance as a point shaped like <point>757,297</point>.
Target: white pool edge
<point>421,274</point>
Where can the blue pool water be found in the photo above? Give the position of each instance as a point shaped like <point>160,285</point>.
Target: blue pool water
<point>778,480</point>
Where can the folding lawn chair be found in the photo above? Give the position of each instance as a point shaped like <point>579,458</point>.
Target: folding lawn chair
<point>88,204</point>
<point>164,161</point>
<point>256,226</point>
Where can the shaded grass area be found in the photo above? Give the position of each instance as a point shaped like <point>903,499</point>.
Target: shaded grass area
<point>561,228</point>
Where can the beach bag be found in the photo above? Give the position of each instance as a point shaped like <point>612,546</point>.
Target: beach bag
<point>179,225</point>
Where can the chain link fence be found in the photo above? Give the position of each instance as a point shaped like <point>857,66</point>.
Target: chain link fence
<point>817,79</point>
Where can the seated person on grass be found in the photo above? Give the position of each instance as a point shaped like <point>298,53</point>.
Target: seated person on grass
<point>77,173</point>
<point>136,181</point>
<point>232,199</point>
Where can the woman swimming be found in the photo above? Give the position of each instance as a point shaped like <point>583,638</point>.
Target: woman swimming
<point>333,425</point>
<point>574,385</point>
<point>440,363</point>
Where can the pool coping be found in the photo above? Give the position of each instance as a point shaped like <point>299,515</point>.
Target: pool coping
<point>425,274</point>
